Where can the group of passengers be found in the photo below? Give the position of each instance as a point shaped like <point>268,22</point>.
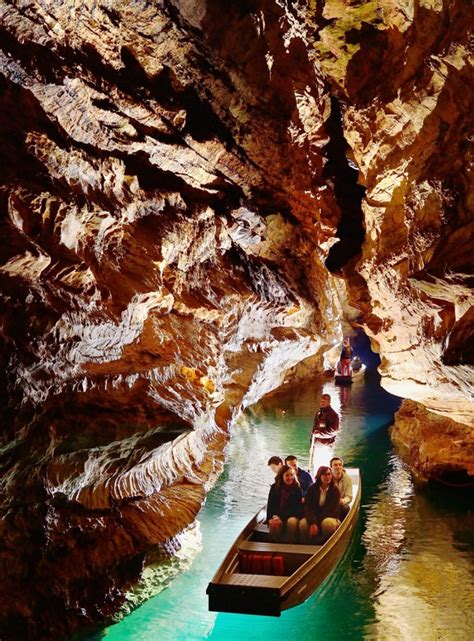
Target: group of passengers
<point>299,510</point>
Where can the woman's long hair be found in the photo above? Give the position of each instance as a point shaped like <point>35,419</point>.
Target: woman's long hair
<point>279,482</point>
<point>320,472</point>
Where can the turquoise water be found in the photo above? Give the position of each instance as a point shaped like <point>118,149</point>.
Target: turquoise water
<point>401,577</point>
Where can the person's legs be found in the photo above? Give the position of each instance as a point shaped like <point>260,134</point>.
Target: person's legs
<point>292,528</point>
<point>276,531</point>
<point>343,511</point>
<point>304,531</point>
<point>305,535</point>
<point>329,526</point>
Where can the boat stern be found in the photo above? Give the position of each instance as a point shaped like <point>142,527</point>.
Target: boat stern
<point>243,597</point>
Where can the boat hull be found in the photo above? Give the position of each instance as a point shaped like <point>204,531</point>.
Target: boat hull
<point>342,380</point>
<point>244,600</point>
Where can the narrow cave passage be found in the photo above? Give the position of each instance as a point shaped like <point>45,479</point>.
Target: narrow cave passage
<point>348,193</point>
<point>280,424</point>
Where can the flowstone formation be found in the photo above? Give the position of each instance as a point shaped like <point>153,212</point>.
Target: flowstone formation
<point>175,178</point>
<point>437,447</point>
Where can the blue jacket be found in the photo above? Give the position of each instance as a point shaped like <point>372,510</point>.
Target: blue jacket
<point>305,480</point>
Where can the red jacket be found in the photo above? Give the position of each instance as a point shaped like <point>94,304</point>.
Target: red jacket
<point>330,419</point>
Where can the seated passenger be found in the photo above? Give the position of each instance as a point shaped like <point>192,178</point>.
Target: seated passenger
<point>356,364</point>
<point>284,508</point>
<point>304,478</point>
<point>344,485</point>
<point>321,508</point>
<point>275,463</point>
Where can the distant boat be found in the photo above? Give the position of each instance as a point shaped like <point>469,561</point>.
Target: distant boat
<point>259,577</point>
<point>352,377</point>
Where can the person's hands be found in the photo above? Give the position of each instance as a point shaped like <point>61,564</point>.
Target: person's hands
<point>275,521</point>
<point>313,529</point>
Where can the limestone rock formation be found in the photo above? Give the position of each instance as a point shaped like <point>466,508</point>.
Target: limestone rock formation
<point>436,447</point>
<point>175,179</point>
<point>404,72</point>
<point>164,221</point>
<point>410,134</point>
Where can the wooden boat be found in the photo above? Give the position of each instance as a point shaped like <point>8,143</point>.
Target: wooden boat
<point>259,577</point>
<point>353,376</point>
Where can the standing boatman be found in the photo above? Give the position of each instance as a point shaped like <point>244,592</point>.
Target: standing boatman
<point>326,421</point>
<point>346,355</point>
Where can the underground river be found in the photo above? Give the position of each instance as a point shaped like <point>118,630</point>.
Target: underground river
<point>408,575</point>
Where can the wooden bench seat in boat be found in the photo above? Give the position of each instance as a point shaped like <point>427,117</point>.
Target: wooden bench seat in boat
<point>262,580</point>
<point>282,548</point>
<point>277,559</point>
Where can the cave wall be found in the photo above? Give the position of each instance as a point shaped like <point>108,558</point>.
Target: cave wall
<point>409,123</point>
<point>164,226</point>
<point>403,73</point>
<point>437,448</point>
<point>175,178</point>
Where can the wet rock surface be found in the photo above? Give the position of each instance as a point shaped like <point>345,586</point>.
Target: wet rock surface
<point>174,177</point>
<point>437,448</point>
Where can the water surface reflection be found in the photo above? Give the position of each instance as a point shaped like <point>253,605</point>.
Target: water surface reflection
<point>421,578</point>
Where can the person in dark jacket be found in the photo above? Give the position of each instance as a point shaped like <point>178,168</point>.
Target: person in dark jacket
<point>275,463</point>
<point>326,421</point>
<point>321,508</point>
<point>305,479</point>
<point>284,508</point>
<point>356,364</point>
